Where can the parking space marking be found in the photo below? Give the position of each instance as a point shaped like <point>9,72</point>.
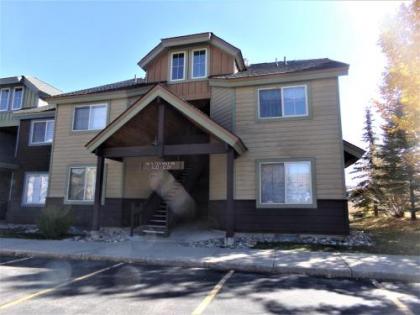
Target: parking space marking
<point>388,294</point>
<point>210,297</point>
<point>45,291</point>
<point>15,260</point>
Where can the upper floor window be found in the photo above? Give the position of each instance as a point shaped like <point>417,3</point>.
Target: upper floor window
<point>4,99</point>
<point>90,117</point>
<point>288,182</point>
<point>199,63</point>
<point>17,98</point>
<point>288,101</point>
<point>178,66</point>
<point>42,132</point>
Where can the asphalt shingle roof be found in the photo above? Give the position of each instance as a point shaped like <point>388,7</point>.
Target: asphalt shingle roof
<point>267,68</point>
<point>131,83</point>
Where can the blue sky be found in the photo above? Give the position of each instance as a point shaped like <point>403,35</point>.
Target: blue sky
<point>79,44</point>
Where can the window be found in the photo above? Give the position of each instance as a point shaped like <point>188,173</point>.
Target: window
<point>178,66</point>
<point>81,184</point>
<point>17,99</point>
<point>4,99</point>
<point>288,101</point>
<point>285,183</point>
<point>42,131</point>
<point>199,63</point>
<point>90,117</point>
<point>36,186</point>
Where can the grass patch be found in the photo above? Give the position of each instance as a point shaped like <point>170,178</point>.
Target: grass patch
<point>397,236</point>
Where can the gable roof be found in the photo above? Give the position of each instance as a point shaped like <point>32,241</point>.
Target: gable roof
<point>185,108</point>
<point>268,68</point>
<point>199,38</point>
<point>120,85</point>
<point>34,83</point>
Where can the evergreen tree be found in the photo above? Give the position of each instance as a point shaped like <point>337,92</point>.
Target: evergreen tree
<point>366,195</point>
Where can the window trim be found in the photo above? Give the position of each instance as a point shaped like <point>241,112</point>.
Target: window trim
<point>33,122</point>
<point>90,109</point>
<point>185,65</point>
<point>205,63</point>
<point>281,88</point>
<point>78,202</point>
<point>13,98</point>
<point>25,188</point>
<point>8,99</point>
<point>312,164</point>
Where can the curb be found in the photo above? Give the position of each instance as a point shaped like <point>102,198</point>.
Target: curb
<point>347,273</point>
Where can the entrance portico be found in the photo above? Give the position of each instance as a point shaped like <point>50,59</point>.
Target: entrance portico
<point>163,126</point>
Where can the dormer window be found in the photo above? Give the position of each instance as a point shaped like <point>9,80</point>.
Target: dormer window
<point>4,99</point>
<point>177,66</point>
<point>199,63</point>
<point>17,98</point>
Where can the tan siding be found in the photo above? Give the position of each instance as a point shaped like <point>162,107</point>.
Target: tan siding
<point>217,185</point>
<point>221,106</point>
<point>317,137</point>
<point>69,149</point>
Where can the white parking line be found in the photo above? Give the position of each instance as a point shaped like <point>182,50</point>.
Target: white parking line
<point>391,296</point>
<point>15,260</point>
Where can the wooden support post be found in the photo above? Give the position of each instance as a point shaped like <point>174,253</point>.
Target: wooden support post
<point>161,127</point>
<point>98,191</point>
<point>230,211</point>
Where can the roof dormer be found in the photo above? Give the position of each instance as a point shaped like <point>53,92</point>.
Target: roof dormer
<point>190,58</point>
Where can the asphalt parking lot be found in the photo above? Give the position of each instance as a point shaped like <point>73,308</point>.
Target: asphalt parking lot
<point>47,286</point>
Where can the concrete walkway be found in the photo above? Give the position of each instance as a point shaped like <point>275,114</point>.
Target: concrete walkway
<point>380,267</point>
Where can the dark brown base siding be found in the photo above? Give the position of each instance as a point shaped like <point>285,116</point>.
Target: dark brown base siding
<point>115,212</point>
<point>330,217</point>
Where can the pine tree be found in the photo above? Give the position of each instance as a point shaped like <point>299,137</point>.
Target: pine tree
<point>366,194</point>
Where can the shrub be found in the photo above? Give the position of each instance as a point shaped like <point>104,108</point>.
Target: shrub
<point>55,222</point>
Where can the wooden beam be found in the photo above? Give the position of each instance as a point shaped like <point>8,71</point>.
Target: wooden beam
<point>161,127</point>
<point>118,152</point>
<point>196,148</point>
<point>98,191</point>
<point>173,149</point>
<point>230,211</point>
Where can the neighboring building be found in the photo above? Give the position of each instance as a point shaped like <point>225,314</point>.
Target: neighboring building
<point>26,132</point>
<point>251,148</point>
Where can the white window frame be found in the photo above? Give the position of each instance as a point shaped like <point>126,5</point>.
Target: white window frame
<point>46,121</point>
<point>25,188</point>
<point>281,88</point>
<point>90,111</point>
<point>83,201</point>
<point>286,204</point>
<point>185,65</point>
<point>205,63</point>
<point>8,99</point>
<point>21,99</point>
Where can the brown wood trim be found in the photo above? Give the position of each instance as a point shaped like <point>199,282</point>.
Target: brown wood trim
<point>197,148</point>
<point>174,149</point>
<point>98,191</point>
<point>230,224</point>
<point>161,126</point>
